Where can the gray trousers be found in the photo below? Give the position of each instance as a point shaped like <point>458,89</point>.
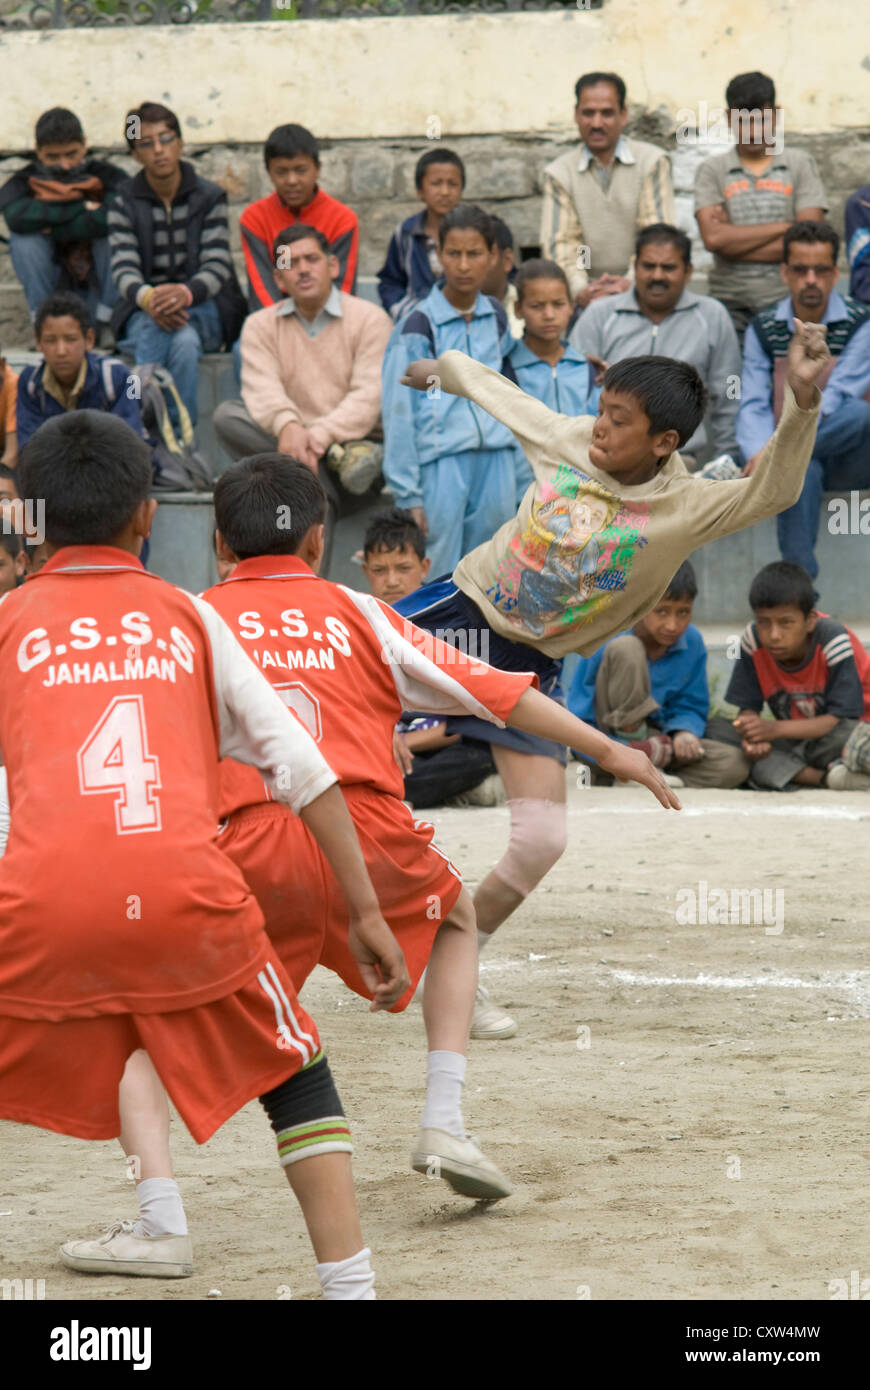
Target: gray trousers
<point>623,697</point>
<point>789,755</point>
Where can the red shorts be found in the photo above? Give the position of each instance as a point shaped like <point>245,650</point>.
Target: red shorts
<point>305,911</point>
<point>212,1059</point>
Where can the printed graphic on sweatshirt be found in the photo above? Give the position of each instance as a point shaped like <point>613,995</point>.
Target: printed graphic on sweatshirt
<point>575,552</point>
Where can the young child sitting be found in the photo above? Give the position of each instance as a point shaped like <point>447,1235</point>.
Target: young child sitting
<point>445,461</point>
<point>814,676</point>
<point>440,768</point>
<point>413,264</point>
<point>657,674</point>
<point>543,363</point>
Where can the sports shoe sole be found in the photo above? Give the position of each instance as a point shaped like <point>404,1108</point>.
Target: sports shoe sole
<point>507,1030</point>
<point>465,1179</point>
<point>152,1269</point>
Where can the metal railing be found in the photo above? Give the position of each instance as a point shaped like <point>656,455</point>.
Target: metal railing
<point>89,14</point>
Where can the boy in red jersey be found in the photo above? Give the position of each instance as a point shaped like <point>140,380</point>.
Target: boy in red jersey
<point>159,943</point>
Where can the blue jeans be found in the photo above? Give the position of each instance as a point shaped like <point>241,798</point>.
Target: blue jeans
<point>34,263</point>
<point>180,350</point>
<point>840,462</point>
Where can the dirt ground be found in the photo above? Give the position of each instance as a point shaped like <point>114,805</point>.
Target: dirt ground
<point>683,1110</point>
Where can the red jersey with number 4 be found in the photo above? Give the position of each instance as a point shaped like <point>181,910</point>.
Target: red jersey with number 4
<point>119,695</point>
<point>347,665</point>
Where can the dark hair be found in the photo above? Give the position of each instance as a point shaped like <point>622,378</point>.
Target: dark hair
<point>671,393</point>
<point>811,232</point>
<point>684,583</point>
<point>504,237</point>
<point>62,305</point>
<point>256,496</point>
<point>394,530</point>
<point>58,127</point>
<point>437,156</point>
<point>287,141</point>
<point>92,471</point>
<point>149,113</point>
<point>467,217</point>
<point>539,270</point>
<point>6,472</point>
<point>589,79</point>
<point>750,91</point>
<point>782,583</point>
<point>300,231</point>
<point>661,233</point>
<point>11,542</point>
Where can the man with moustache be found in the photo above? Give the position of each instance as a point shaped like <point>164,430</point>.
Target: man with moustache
<point>841,457</point>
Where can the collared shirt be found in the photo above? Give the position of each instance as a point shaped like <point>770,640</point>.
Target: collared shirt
<point>850,376</point>
<point>331,309</point>
<point>66,396</point>
<point>604,172</point>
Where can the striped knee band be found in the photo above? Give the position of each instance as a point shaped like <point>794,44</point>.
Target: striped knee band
<point>326,1136</point>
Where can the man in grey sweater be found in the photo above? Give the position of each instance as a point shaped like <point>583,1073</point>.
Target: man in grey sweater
<point>662,316</point>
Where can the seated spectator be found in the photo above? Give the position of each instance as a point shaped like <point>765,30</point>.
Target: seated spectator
<point>596,201</point>
<point>8,411</point>
<point>858,243</point>
<point>56,211</point>
<point>748,197</point>
<point>544,363</point>
<point>502,274</point>
<point>446,461</point>
<point>413,265</point>
<point>71,376</point>
<point>841,455</point>
<point>657,674</point>
<point>814,676</point>
<point>292,158</point>
<point>441,768</point>
<point>13,559</point>
<point>170,239</point>
<point>662,315</point>
<point>311,372</point>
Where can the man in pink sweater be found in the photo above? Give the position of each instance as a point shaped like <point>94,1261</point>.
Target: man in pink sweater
<point>311,371</point>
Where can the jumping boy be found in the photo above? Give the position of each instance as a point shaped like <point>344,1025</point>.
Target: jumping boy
<point>413,264</point>
<point>445,461</point>
<point>111,727</point>
<point>595,543</point>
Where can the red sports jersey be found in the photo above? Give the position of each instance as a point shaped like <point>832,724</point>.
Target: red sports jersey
<point>119,695</point>
<point>833,678</point>
<point>261,222</point>
<point>348,665</point>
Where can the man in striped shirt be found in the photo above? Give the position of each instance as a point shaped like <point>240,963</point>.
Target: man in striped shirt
<point>171,259</point>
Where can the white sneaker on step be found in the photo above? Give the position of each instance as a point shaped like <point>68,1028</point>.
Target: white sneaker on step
<point>460,1163</point>
<point>119,1251</point>
<point>488,1020</point>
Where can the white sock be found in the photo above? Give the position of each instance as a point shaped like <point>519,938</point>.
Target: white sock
<point>445,1078</point>
<point>161,1212</point>
<point>350,1279</point>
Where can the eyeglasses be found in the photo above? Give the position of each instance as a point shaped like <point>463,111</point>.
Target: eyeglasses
<point>165,139</point>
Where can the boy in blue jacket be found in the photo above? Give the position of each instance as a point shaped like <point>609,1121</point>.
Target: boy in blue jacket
<point>543,362</point>
<point>657,675</point>
<point>413,265</point>
<point>446,460</point>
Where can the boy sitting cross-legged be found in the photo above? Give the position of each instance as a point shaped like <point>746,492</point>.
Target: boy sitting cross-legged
<point>121,694</point>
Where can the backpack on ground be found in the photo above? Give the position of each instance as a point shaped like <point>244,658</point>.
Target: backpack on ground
<point>178,464</point>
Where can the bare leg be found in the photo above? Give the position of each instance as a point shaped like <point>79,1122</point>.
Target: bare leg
<point>451,979</point>
<point>323,1187</point>
<point>144,1118</point>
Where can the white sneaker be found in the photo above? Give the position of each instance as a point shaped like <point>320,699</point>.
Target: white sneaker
<point>488,1020</point>
<point>489,792</point>
<point>119,1251</point>
<point>672,780</point>
<point>460,1163</point>
<point>840,779</point>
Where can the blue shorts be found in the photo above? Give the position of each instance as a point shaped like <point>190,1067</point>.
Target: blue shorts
<point>442,607</point>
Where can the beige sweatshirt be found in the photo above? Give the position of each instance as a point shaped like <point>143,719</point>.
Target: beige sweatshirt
<point>586,557</point>
<point>331,384</point>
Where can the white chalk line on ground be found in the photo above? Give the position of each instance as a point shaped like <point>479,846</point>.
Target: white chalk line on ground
<point>716,809</point>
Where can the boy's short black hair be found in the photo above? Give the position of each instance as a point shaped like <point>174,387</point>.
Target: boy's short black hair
<point>437,156</point>
<point>58,127</point>
<point>750,91</point>
<point>670,392</point>
<point>10,541</point>
<point>467,217</point>
<point>683,585</point>
<point>149,113</point>
<point>539,269</point>
<point>807,232</point>
<point>287,141</point>
<point>62,305</point>
<point>590,79</point>
<point>394,530</point>
<point>661,234</point>
<point>782,584</point>
<point>91,470</point>
<point>266,504</point>
<point>504,237</point>
<point>300,231</point>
